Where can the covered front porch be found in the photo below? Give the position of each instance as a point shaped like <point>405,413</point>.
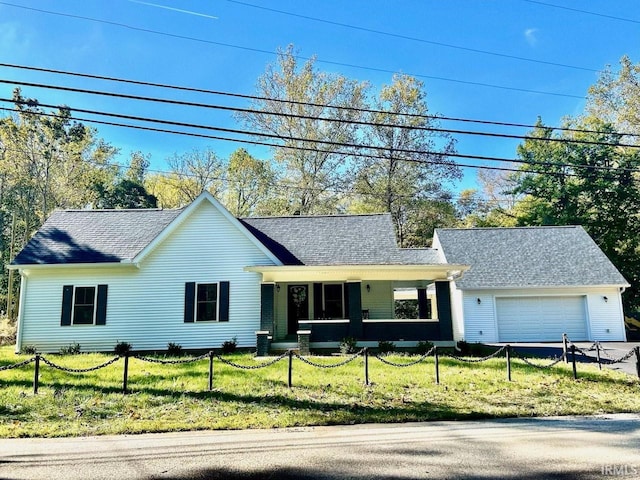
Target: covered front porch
<point>317,307</point>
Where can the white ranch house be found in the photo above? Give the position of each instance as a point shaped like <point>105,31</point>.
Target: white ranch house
<point>198,277</point>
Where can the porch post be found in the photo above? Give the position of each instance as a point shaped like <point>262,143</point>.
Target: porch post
<point>423,303</point>
<point>354,290</point>
<point>443,300</point>
<point>267,315</point>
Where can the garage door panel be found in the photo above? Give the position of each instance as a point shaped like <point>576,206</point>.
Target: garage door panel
<point>541,319</point>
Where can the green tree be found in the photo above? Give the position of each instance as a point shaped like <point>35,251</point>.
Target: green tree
<point>593,185</point>
<point>407,164</point>
<point>296,106</point>
<point>249,186</point>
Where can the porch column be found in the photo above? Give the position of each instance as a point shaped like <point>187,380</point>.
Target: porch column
<point>443,300</point>
<point>267,306</point>
<point>354,291</point>
<point>267,311</point>
<point>423,303</point>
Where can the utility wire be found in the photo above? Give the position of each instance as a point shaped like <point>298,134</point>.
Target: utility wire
<point>258,50</point>
<point>316,118</point>
<point>562,7</point>
<point>335,144</point>
<point>310,104</point>
<point>413,39</point>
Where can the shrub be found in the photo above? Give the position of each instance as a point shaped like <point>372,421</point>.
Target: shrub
<point>386,347</point>
<point>423,347</point>
<point>73,349</point>
<point>29,350</point>
<point>229,346</point>
<point>122,348</point>
<point>348,345</point>
<point>463,347</point>
<point>174,349</point>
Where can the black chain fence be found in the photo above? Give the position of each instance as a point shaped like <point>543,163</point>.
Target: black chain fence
<point>568,348</point>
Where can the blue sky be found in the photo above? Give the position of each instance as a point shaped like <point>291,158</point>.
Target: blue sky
<point>457,48</point>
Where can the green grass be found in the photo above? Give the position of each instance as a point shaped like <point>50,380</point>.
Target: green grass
<point>175,397</point>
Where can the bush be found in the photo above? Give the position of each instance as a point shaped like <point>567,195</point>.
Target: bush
<point>73,349</point>
<point>463,347</point>
<point>122,348</point>
<point>348,345</point>
<point>174,349</point>
<point>229,346</point>
<point>29,350</point>
<point>386,347</point>
<point>423,347</point>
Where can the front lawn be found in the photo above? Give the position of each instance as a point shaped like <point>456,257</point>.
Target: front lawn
<point>175,397</point>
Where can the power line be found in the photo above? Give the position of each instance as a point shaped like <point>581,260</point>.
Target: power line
<point>311,104</point>
<point>413,39</point>
<point>334,144</point>
<point>317,118</point>
<point>300,57</point>
<point>562,7</point>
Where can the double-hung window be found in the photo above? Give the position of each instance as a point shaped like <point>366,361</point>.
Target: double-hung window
<point>84,305</point>
<point>207,302</point>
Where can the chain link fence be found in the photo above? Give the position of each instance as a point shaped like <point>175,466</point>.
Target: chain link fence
<point>365,353</point>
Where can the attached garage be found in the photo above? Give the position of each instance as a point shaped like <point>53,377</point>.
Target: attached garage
<point>541,319</point>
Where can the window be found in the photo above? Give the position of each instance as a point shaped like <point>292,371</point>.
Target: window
<point>333,300</point>
<point>84,305</point>
<point>207,302</point>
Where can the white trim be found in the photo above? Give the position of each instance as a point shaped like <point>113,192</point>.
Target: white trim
<point>320,322</point>
<point>204,196</point>
<point>195,302</point>
<point>20,327</point>
<point>402,320</point>
<point>42,266</point>
<point>73,306</point>
<point>553,287</point>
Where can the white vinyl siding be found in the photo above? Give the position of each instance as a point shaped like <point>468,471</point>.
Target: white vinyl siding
<point>603,320</point>
<point>146,304</point>
<point>541,319</point>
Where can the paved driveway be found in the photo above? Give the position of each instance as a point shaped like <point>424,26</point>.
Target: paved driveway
<point>517,449</point>
<point>610,350</point>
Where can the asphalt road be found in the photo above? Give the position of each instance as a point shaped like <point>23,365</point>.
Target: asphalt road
<point>545,448</point>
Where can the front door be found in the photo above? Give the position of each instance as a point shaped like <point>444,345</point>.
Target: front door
<point>297,306</point>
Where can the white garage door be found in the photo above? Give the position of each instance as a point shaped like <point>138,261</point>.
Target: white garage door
<point>541,319</point>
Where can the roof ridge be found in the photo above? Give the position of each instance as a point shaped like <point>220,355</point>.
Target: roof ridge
<point>527,227</point>
<point>117,210</point>
<point>336,215</point>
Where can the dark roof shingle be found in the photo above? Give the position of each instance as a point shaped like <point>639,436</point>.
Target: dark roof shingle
<point>94,236</point>
<point>528,257</point>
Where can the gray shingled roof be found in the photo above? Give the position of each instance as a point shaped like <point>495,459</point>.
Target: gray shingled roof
<point>528,257</point>
<point>94,236</point>
<point>98,236</point>
<point>336,240</point>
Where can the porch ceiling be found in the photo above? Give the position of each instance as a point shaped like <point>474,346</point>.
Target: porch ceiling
<point>316,273</point>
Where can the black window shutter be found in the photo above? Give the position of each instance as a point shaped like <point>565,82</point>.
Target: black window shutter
<point>224,302</point>
<point>317,301</point>
<point>67,305</point>
<point>101,307</point>
<point>189,301</point>
<point>346,300</point>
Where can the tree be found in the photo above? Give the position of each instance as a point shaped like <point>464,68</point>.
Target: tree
<point>296,106</point>
<point>250,185</point>
<point>615,99</point>
<point>126,190</point>
<point>193,173</point>
<point>593,185</point>
<point>407,162</point>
